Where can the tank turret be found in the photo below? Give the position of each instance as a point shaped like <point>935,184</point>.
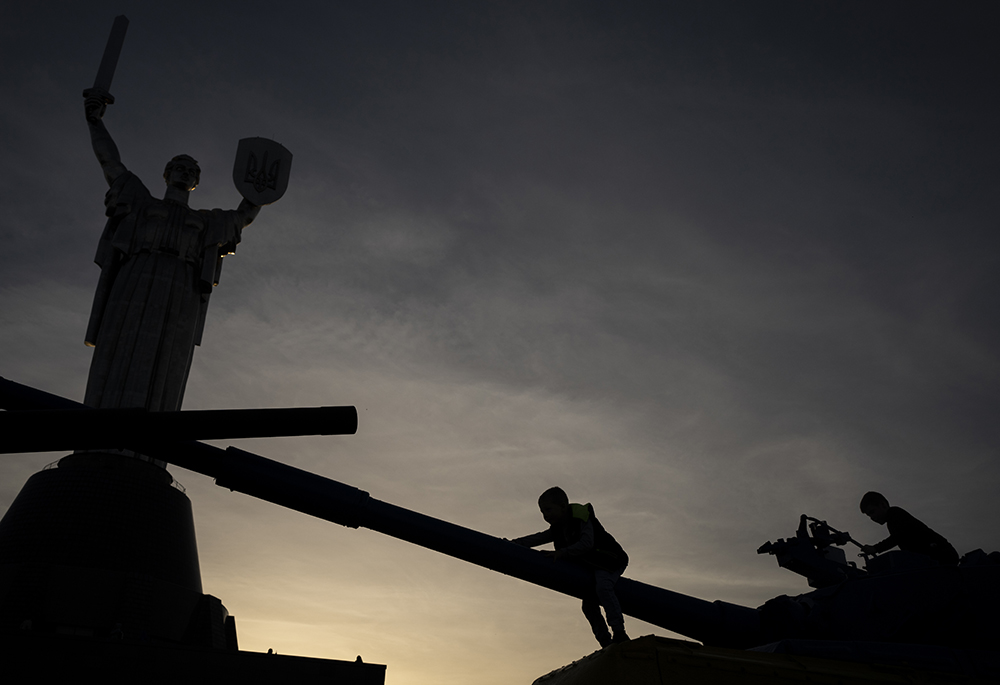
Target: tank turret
<point>896,597</point>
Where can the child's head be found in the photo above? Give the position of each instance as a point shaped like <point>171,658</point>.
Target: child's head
<point>554,505</point>
<point>875,506</point>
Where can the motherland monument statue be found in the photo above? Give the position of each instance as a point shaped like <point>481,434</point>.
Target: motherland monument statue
<point>102,543</point>
<point>160,259</point>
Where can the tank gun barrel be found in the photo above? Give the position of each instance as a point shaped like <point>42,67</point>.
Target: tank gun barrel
<point>715,623</point>
<point>48,430</point>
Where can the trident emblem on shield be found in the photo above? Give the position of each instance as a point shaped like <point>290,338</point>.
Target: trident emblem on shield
<point>261,170</point>
<point>263,177</point>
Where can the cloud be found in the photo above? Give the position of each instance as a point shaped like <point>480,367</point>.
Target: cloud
<point>708,268</point>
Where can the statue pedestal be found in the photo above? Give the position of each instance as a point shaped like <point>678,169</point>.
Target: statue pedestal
<point>105,544</point>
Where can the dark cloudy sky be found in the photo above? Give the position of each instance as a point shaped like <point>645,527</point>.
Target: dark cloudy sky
<point>708,266</point>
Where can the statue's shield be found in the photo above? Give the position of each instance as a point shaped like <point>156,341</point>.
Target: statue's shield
<point>261,170</point>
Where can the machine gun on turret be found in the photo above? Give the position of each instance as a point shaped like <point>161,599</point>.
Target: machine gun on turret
<point>815,552</point>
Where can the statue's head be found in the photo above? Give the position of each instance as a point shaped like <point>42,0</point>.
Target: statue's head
<point>182,172</point>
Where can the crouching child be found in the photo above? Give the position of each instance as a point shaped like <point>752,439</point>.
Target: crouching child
<point>580,538</point>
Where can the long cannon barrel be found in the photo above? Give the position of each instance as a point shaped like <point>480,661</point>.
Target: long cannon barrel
<point>715,623</point>
<point>47,430</point>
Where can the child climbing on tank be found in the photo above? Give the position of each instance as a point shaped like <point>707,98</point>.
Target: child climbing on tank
<point>905,531</point>
<point>580,538</point>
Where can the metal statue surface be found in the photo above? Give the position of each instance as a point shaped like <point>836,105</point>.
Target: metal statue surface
<point>159,261</point>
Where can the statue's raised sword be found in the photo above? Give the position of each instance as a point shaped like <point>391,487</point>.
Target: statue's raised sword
<point>106,72</point>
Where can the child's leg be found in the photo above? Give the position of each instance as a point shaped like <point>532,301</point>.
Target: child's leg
<point>605,587</point>
<point>592,610</point>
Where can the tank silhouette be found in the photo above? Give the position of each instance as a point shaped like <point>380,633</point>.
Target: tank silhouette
<point>897,598</point>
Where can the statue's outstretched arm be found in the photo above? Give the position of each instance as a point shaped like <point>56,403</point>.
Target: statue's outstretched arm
<point>248,211</point>
<point>104,145</point>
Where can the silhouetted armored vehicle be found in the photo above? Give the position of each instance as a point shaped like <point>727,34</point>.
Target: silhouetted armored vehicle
<point>902,617</point>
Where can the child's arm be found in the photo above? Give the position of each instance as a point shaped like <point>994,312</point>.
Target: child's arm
<point>535,539</point>
<point>879,547</point>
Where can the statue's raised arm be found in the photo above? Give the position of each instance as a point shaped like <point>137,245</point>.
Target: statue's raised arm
<point>95,105</point>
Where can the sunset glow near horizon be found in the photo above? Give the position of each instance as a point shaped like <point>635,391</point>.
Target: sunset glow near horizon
<point>707,267</point>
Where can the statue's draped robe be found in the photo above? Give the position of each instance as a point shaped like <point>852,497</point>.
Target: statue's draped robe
<point>159,260</point>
